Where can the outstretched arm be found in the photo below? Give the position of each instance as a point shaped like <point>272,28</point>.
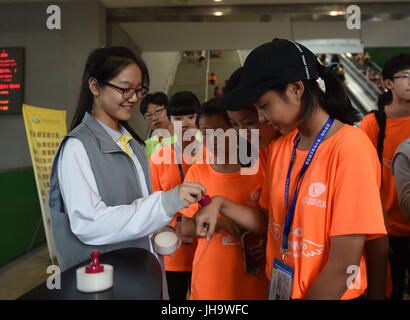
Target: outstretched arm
<point>188,227</point>
<point>252,219</point>
<point>90,217</point>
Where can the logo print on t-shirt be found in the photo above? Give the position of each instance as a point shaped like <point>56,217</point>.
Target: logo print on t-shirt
<point>254,198</point>
<point>303,247</point>
<point>387,162</point>
<point>316,189</point>
<point>298,245</point>
<point>230,240</point>
<point>255,195</point>
<point>275,230</point>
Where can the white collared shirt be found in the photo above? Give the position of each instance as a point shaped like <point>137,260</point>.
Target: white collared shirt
<point>91,220</point>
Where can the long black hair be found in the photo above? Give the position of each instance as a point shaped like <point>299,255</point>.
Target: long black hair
<point>383,100</point>
<point>334,100</point>
<point>104,64</point>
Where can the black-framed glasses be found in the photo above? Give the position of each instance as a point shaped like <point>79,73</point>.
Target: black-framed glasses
<point>127,93</point>
<point>149,116</point>
<point>402,76</point>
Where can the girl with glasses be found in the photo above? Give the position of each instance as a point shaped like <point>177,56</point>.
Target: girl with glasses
<point>100,187</point>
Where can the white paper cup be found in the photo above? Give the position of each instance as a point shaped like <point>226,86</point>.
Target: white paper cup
<point>95,282</point>
<point>165,243</point>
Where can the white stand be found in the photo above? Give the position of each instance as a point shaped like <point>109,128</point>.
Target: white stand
<point>95,282</point>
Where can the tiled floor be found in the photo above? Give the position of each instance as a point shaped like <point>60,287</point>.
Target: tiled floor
<point>24,274</point>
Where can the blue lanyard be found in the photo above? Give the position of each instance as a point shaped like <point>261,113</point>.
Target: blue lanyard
<point>308,160</point>
<point>181,172</point>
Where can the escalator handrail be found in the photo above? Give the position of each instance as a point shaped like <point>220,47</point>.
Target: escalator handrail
<point>376,67</point>
<point>372,90</point>
<point>356,103</point>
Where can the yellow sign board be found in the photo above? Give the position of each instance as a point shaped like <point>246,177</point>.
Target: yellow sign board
<point>45,129</point>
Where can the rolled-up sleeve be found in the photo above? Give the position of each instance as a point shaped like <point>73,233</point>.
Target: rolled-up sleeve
<point>95,223</point>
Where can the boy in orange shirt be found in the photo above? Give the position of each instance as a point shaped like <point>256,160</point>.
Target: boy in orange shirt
<point>218,271</point>
<point>395,129</point>
<point>168,168</point>
<point>322,181</point>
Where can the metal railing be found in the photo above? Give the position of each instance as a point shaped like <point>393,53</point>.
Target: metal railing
<point>366,84</point>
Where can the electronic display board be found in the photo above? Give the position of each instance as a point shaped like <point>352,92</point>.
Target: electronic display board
<point>11,80</point>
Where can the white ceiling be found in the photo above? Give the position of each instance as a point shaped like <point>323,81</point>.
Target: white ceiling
<point>173,3</point>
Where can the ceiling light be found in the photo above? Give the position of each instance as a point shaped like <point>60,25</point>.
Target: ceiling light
<point>336,13</point>
<point>218,0</point>
<point>218,13</point>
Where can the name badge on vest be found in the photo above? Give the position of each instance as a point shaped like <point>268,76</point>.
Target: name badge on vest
<point>280,281</point>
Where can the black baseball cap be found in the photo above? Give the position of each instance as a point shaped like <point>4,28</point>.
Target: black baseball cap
<point>270,64</point>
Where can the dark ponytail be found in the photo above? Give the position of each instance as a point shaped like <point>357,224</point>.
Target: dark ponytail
<point>104,64</point>
<point>383,100</point>
<point>335,99</point>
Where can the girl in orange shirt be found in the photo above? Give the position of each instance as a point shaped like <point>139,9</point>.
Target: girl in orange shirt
<point>321,190</point>
<point>168,166</point>
<point>395,129</point>
<point>248,119</point>
<point>218,270</point>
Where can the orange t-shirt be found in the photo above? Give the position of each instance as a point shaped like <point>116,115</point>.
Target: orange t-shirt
<point>218,271</point>
<point>338,195</point>
<point>165,177</point>
<point>264,156</point>
<point>397,130</point>
<point>212,78</point>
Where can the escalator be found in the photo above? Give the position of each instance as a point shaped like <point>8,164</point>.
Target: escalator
<point>362,92</point>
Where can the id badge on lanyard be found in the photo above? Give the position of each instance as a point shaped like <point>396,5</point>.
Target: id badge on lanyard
<point>281,280</point>
<point>282,273</point>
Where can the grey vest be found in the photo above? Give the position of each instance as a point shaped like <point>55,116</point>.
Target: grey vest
<point>117,184</point>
